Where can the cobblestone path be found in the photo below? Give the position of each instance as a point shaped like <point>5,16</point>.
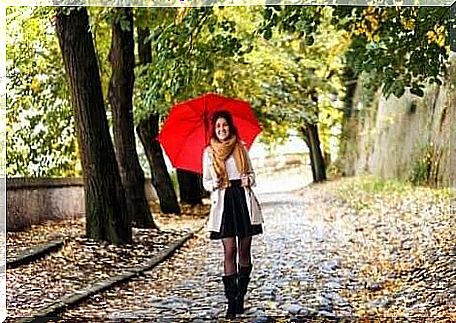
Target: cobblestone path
<point>310,260</point>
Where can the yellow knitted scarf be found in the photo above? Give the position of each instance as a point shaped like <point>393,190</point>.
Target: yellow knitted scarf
<point>222,151</point>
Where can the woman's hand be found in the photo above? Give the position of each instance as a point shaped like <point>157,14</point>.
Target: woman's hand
<point>245,180</point>
<point>216,184</point>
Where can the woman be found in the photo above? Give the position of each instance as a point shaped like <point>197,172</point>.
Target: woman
<point>235,214</point>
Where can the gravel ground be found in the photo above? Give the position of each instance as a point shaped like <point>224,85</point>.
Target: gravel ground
<point>336,249</point>
<point>83,262</point>
<point>18,242</point>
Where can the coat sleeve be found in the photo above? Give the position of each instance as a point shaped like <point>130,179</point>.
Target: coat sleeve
<point>252,172</point>
<point>208,180</point>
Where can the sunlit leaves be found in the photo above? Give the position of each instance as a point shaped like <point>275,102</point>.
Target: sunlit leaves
<point>437,35</point>
<point>393,42</point>
<point>99,19</point>
<point>304,64</point>
<point>406,47</point>
<point>40,133</point>
<point>188,47</point>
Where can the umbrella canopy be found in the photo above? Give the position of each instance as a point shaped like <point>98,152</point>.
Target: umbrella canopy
<point>187,130</point>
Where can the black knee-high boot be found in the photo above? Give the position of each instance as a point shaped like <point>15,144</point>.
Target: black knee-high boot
<point>243,282</point>
<point>231,293</point>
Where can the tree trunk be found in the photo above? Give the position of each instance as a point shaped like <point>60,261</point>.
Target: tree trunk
<point>147,131</point>
<point>306,140</point>
<point>190,187</point>
<point>310,132</point>
<point>122,60</point>
<point>105,205</point>
<point>144,48</point>
<point>351,81</point>
<point>348,122</point>
<point>327,158</point>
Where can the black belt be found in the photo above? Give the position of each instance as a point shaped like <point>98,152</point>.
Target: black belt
<point>236,182</point>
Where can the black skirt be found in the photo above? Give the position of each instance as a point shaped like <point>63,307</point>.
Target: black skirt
<point>235,217</point>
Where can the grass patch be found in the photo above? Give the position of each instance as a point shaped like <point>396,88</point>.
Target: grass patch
<point>363,193</point>
<point>375,185</point>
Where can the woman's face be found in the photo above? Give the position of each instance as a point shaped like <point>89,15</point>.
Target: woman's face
<point>222,129</point>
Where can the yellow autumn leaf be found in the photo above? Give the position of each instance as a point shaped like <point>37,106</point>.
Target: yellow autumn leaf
<point>432,36</point>
<point>372,36</point>
<point>370,10</point>
<point>441,40</point>
<point>181,13</point>
<point>35,86</point>
<point>409,24</point>
<point>437,35</point>
<point>219,74</point>
<point>440,30</point>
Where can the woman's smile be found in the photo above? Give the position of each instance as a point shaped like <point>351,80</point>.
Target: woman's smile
<point>222,129</point>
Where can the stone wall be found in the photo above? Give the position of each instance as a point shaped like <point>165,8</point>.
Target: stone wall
<point>33,201</point>
<point>273,163</point>
<point>395,138</point>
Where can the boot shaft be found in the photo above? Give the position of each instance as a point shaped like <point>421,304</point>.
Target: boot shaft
<point>231,292</point>
<point>231,286</point>
<point>245,271</point>
<point>244,279</point>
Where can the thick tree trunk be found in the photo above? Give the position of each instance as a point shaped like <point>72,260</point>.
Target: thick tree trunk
<point>327,158</point>
<point>144,48</point>
<point>306,140</point>
<point>190,187</point>
<point>122,60</point>
<point>147,131</point>
<point>106,211</point>
<point>351,81</point>
<point>348,121</point>
<point>310,132</point>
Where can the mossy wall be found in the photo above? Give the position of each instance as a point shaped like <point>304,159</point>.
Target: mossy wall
<point>409,138</point>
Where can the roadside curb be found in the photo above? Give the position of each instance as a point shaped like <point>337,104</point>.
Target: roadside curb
<point>51,311</point>
<point>34,253</point>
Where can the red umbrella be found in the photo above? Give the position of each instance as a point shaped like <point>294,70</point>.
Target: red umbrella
<point>186,131</point>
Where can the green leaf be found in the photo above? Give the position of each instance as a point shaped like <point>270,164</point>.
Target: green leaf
<point>398,88</point>
<point>417,91</point>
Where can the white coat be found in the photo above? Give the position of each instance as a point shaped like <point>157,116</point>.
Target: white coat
<point>218,195</point>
